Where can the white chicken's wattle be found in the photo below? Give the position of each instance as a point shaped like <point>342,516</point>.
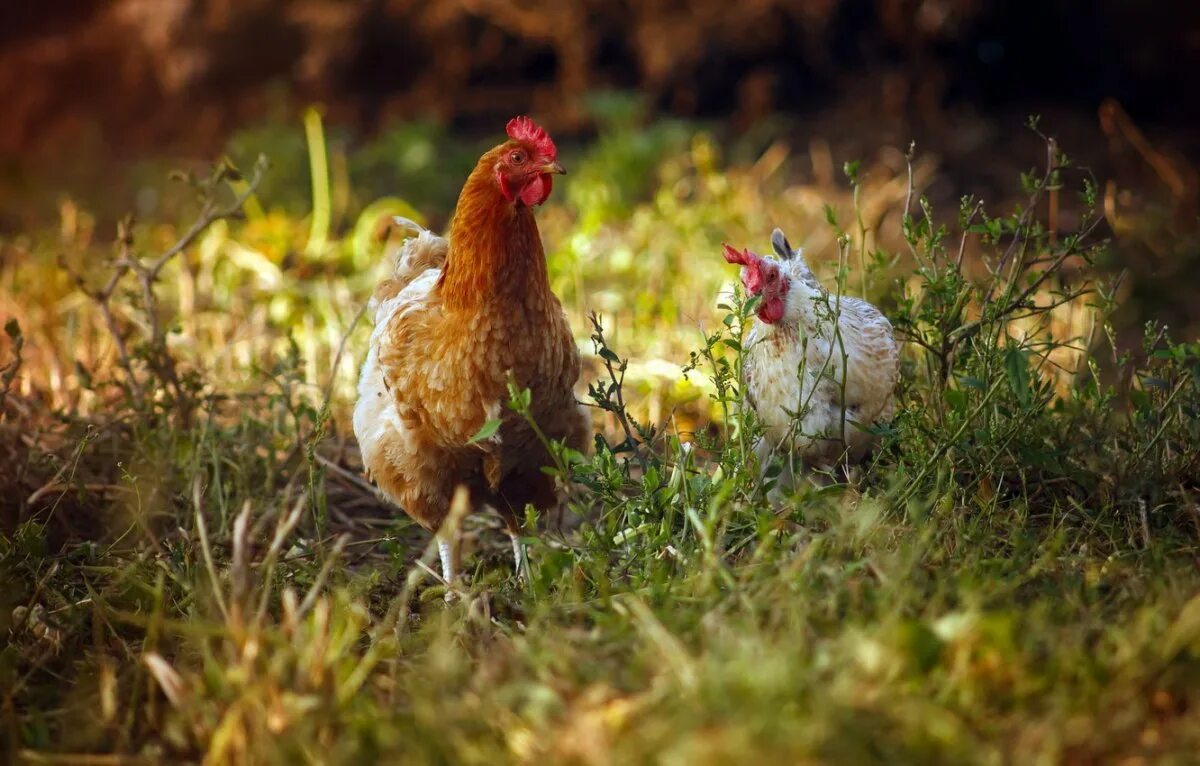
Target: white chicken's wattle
<point>819,369</point>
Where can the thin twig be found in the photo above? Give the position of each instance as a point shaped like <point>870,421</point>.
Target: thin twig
<point>617,405</point>
<point>147,273</point>
<point>319,583</point>
<point>202,532</point>
<point>357,481</point>
<point>283,529</point>
<point>337,358</point>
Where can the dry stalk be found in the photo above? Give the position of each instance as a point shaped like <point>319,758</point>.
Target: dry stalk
<point>147,271</point>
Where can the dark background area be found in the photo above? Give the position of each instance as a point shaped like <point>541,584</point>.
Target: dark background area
<point>138,74</point>
<point>91,86</point>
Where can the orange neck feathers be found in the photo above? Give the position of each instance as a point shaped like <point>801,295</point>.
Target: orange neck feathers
<point>495,248</point>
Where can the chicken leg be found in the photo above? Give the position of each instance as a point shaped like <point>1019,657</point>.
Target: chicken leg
<point>449,565</point>
<point>520,557</point>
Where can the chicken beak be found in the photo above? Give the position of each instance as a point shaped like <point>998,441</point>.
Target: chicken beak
<point>554,167</point>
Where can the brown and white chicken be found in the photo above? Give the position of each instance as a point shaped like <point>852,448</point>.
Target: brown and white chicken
<point>460,318</point>
<point>819,369</point>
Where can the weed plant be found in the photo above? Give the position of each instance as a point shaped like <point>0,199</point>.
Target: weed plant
<point>195,570</point>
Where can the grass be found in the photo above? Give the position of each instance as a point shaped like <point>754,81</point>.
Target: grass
<point>195,571</point>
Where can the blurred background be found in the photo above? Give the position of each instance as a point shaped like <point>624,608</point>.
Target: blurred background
<point>146,74</point>
<point>122,78</point>
<point>683,123</point>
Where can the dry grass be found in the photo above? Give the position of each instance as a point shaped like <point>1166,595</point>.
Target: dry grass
<point>199,573</point>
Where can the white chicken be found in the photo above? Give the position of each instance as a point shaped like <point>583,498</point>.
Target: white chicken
<point>819,369</point>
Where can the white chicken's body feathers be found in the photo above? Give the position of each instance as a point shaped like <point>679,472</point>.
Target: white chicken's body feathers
<point>820,376</point>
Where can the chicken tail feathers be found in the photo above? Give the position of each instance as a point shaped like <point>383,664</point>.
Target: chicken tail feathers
<point>416,256</point>
<point>419,254</point>
<point>794,257</point>
<point>408,224</point>
<point>780,243</point>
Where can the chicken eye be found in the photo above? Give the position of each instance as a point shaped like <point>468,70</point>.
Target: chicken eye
<point>517,158</point>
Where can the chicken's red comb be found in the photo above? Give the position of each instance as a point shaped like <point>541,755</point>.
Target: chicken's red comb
<point>751,275</point>
<point>733,256</point>
<point>524,129</point>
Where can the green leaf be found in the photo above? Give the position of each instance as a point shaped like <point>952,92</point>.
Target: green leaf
<point>830,215</point>
<point>956,399</point>
<point>851,170</point>
<point>1017,370</point>
<point>972,382</point>
<point>573,457</point>
<point>485,431</point>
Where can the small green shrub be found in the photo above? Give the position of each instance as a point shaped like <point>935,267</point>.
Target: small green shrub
<point>194,569</point>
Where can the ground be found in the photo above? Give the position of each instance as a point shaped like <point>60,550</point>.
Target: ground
<point>196,568</point>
